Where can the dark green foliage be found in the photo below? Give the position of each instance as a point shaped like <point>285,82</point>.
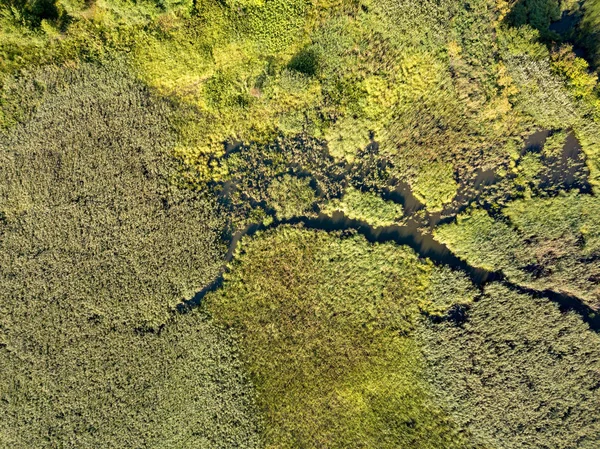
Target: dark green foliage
<point>96,248</point>
<point>537,13</point>
<point>34,11</point>
<point>590,30</point>
<point>518,373</point>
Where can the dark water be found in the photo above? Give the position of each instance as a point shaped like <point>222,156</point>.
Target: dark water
<point>565,172</point>
<point>536,141</point>
<point>412,234</point>
<point>566,24</point>
<point>569,171</point>
<point>423,244</point>
<point>402,194</point>
<point>567,27</point>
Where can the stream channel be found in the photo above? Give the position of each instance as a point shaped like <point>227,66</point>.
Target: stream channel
<point>416,233</point>
<point>423,244</point>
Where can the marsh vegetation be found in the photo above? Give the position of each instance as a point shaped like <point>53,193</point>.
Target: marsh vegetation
<point>407,187</point>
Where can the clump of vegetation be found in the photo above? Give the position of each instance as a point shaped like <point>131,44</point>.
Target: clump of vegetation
<point>538,14</point>
<point>97,245</point>
<point>291,197</point>
<point>529,170</point>
<point>547,243</point>
<point>324,326</point>
<point>448,290</point>
<point>518,372</point>
<point>365,206</point>
<point>483,242</point>
<point>554,144</point>
<point>435,186</point>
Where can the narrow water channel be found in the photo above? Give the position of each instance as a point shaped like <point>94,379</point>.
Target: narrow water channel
<point>423,244</point>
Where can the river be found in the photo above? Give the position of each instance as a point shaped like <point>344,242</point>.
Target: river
<point>423,244</point>
<point>415,233</point>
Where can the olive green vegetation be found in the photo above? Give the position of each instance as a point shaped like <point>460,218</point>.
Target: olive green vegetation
<point>435,185</point>
<point>325,328</point>
<point>441,85</point>
<point>541,242</point>
<point>365,206</point>
<point>96,387</point>
<point>87,184</point>
<point>291,197</point>
<point>97,245</point>
<point>518,373</point>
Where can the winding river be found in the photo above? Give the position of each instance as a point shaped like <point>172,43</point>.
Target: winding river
<point>412,235</point>
<point>423,244</point>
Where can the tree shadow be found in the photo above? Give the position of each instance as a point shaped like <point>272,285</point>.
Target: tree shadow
<point>306,61</point>
<point>538,14</point>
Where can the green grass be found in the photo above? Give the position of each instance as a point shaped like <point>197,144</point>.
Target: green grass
<point>324,326</point>
<point>97,246</point>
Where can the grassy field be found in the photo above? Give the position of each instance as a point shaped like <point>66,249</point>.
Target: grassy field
<point>97,245</point>
<point>518,373</point>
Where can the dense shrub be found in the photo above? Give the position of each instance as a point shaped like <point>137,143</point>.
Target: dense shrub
<point>483,242</point>
<point>291,197</point>
<point>537,13</point>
